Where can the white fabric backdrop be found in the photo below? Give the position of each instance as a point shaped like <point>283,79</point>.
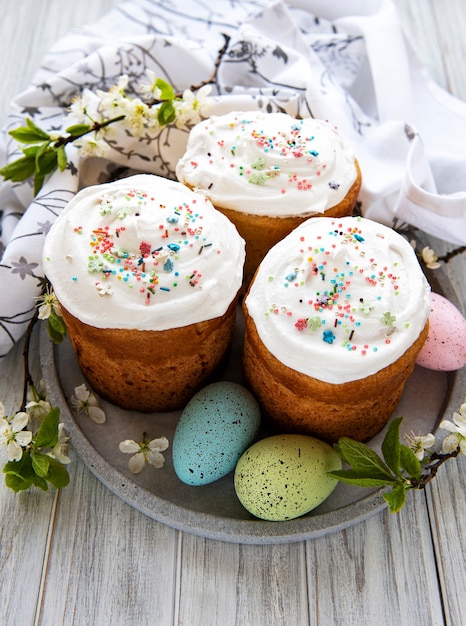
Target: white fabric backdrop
<point>347,62</point>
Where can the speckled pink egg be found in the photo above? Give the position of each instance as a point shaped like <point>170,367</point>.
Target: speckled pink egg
<point>445,347</point>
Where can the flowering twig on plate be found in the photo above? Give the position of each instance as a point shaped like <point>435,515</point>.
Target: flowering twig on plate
<point>401,467</point>
<point>36,447</point>
<point>34,438</point>
<point>44,152</point>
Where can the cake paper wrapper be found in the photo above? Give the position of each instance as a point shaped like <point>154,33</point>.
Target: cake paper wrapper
<point>348,63</point>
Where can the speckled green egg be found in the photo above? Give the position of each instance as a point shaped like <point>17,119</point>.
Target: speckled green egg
<point>285,476</point>
<point>215,428</point>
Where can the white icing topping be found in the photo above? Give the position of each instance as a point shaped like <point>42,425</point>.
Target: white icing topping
<point>143,252</point>
<point>339,299</point>
<point>268,163</point>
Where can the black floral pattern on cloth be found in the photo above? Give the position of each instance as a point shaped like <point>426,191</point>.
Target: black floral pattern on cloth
<point>280,57</point>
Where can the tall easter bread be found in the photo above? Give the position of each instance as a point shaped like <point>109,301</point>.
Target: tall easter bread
<point>335,318</point>
<point>269,172</point>
<point>147,274</point>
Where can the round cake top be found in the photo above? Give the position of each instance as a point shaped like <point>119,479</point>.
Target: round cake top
<point>143,253</point>
<point>268,164</point>
<point>339,298</point>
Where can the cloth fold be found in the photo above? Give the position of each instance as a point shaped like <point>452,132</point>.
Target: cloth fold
<point>349,63</point>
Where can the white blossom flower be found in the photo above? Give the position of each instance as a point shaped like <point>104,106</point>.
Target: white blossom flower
<point>144,451</point>
<point>36,392</point>
<point>60,449</point>
<point>121,85</point>
<point>457,429</point>
<point>199,101</point>
<point>13,436</point>
<point>193,107</point>
<point>116,91</point>
<point>135,111</point>
<point>152,120</point>
<point>430,258</point>
<point>38,409</point>
<point>92,147</point>
<point>47,303</point>
<point>111,100</point>
<point>150,89</point>
<point>420,443</point>
<point>79,108</point>
<point>84,401</point>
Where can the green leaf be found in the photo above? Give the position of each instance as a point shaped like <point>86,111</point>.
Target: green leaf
<point>391,446</point>
<point>61,158</point>
<point>38,182</point>
<point>58,474</point>
<point>166,113</point>
<point>57,322</point>
<point>29,133</point>
<point>40,482</point>
<point>35,149</point>
<point>166,90</point>
<point>19,170</point>
<point>19,474</point>
<point>396,498</point>
<point>41,149</point>
<point>16,482</point>
<point>33,127</point>
<point>56,328</point>
<point>47,435</point>
<point>46,161</point>
<point>362,458</point>
<point>26,135</point>
<point>409,461</point>
<point>78,129</point>
<point>354,478</point>
<point>40,463</point>
<point>56,337</point>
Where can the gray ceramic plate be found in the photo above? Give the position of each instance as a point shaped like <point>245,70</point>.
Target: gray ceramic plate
<point>213,511</point>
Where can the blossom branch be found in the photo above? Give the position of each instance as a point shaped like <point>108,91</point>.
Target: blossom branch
<point>95,127</point>
<point>401,467</point>
<point>44,152</point>
<point>435,462</point>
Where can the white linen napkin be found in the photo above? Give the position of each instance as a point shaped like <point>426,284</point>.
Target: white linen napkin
<point>347,62</point>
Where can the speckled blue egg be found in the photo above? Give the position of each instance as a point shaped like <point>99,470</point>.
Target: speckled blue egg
<point>214,429</point>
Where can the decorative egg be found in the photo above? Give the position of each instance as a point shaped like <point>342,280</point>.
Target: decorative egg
<point>285,476</point>
<point>214,429</point>
<point>445,347</point>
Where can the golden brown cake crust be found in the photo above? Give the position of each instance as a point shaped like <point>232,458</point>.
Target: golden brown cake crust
<point>262,232</point>
<point>296,403</point>
<point>149,370</point>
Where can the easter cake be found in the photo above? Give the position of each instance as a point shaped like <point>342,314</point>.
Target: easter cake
<point>147,274</point>
<point>267,172</point>
<point>335,318</point>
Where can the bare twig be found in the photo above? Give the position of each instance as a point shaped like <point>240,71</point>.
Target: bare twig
<point>435,462</point>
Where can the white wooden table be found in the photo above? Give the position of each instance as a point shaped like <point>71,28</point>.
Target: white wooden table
<point>84,557</point>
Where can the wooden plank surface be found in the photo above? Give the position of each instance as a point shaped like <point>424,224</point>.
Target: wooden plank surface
<point>84,557</point>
